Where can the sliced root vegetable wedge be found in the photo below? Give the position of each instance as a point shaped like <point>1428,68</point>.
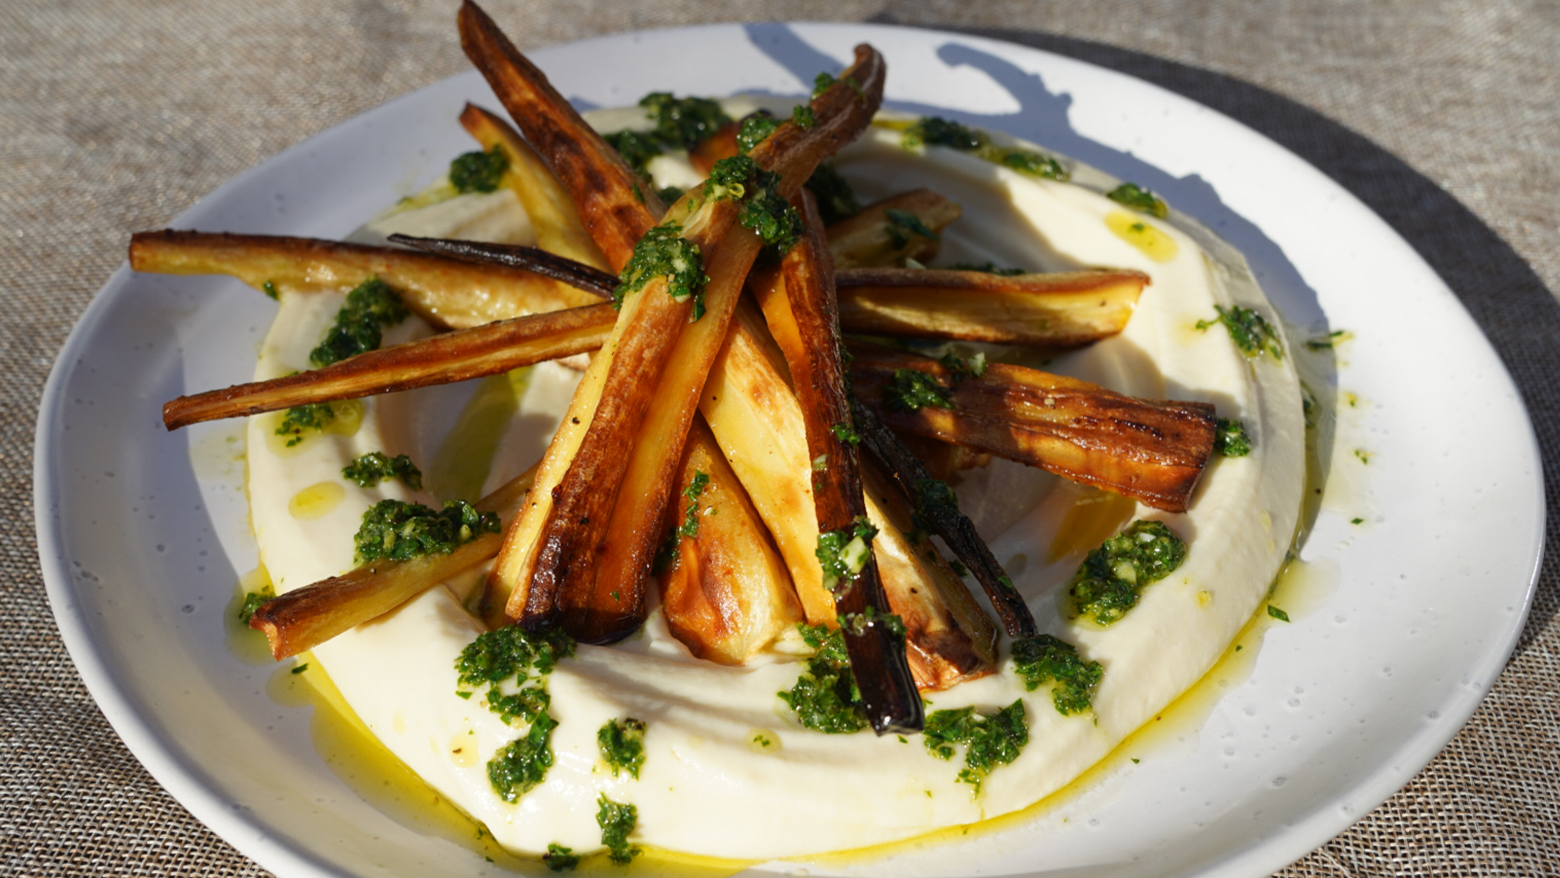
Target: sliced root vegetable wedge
<point>1150,450</point>
<point>552,212</point>
<point>609,197</point>
<point>798,303</point>
<point>441,359</point>
<point>900,227</point>
<point>1064,309</point>
<point>304,618</point>
<point>446,292</point>
<point>725,591</point>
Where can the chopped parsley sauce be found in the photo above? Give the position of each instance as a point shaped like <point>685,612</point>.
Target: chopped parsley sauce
<point>910,390</point>
<point>395,530</point>
<point>359,325</point>
<point>479,171</point>
<point>936,131</point>
<point>1045,659</point>
<point>560,859</point>
<point>836,200</point>
<point>825,698</point>
<point>763,212</point>
<point>374,467</point>
<point>964,368</point>
<point>990,740</point>
<point>904,225</point>
<point>680,123</point>
<point>622,745</point>
<point>1230,439</point>
<point>1112,577</point>
<point>843,553</point>
<point>519,661</point>
<point>309,416</point>
<point>1136,197</point>
<point>617,820</point>
<point>755,130</point>
<point>663,252</point>
<point>1250,331</point>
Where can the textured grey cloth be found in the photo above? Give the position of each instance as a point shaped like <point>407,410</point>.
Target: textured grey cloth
<point>1441,115</point>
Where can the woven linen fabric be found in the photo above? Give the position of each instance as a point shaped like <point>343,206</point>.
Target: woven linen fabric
<point>1441,115</point>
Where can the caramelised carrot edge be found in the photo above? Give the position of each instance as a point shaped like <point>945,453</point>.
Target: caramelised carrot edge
<point>801,312</point>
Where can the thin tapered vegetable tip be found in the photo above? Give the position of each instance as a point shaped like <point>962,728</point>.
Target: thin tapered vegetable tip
<point>576,274</point>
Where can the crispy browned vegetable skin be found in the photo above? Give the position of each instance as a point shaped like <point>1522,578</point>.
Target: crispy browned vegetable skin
<point>914,482</point>
<point>442,359</point>
<point>1063,309</point>
<point>607,194</point>
<point>447,292</point>
<point>798,304</point>
<point>553,551</point>
<point>552,212</point>
<point>304,618</point>
<point>871,238</point>
<point>1152,451</point>
<point>726,594</point>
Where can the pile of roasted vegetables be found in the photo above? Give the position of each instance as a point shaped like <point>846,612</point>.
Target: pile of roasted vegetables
<point>725,366</point>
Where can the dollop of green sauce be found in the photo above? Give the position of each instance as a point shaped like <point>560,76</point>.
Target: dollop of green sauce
<point>844,553</point>
<point>359,325</point>
<point>617,821</point>
<point>479,171</point>
<point>1112,577</point>
<point>395,530</point>
<point>910,390</point>
<point>904,225</point>
<point>622,745</point>
<point>309,416</point>
<point>560,859</point>
<point>1230,439</point>
<point>836,200</point>
<point>937,131</point>
<point>679,123</point>
<point>1045,659</point>
<point>763,212</point>
<point>825,697</point>
<point>1136,197</point>
<point>520,660</point>
<point>990,740</point>
<point>755,129</point>
<point>663,252</point>
<point>252,601</point>
<point>1250,331</point>
<point>374,467</point>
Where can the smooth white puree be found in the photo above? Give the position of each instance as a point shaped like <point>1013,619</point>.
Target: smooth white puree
<point>704,788</point>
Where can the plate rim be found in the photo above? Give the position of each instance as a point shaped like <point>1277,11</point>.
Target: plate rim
<point>184,782</point>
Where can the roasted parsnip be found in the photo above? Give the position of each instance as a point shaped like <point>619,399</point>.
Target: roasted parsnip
<point>1149,450</point>
<point>900,227</point>
<point>446,292</point>
<point>1063,309</point>
<point>724,590</point>
<point>304,618</point>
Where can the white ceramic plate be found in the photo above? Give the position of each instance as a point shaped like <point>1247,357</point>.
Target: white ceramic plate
<point>1404,622</point>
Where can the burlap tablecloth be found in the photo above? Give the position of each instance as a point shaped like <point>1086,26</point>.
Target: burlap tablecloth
<point>1442,115</point>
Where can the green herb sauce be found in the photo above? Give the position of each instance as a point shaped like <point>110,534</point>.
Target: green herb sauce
<point>755,130</point>
<point>904,225</point>
<point>309,416</point>
<point>1112,577</point>
<point>987,268</point>
<point>395,530</point>
<point>358,327</point>
<point>622,745</point>
<point>763,212</point>
<point>560,859</point>
<point>964,368</point>
<point>843,553</point>
<point>846,433</point>
<point>1045,659</point>
<point>836,200</point>
<point>935,131</point>
<point>910,390</point>
<point>1136,197</point>
<point>1230,439</point>
<point>825,698</point>
<point>374,467</point>
<point>520,659</point>
<point>990,740</point>
<point>252,602</point>
<point>1250,331</point>
<point>479,171</point>
<point>663,252</point>
<point>617,821</point>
